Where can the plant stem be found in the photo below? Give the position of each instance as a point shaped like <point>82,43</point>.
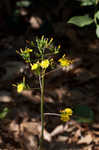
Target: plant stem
<point>51,114</point>
<point>42,109</point>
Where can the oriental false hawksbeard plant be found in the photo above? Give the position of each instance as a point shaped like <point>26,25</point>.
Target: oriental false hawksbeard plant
<point>40,57</point>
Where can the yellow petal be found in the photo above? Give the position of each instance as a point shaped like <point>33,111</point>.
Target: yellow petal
<point>65,117</point>
<point>68,111</point>
<point>34,66</point>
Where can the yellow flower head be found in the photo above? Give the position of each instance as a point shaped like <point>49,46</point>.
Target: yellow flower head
<point>68,111</point>
<point>44,64</point>
<point>20,87</point>
<point>65,117</point>
<point>34,66</point>
<point>65,114</point>
<point>64,62</point>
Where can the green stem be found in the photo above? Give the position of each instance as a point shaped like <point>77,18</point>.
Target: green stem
<point>42,109</point>
<point>42,103</point>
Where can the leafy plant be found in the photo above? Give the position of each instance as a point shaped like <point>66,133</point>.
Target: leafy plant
<point>85,20</point>
<point>39,55</point>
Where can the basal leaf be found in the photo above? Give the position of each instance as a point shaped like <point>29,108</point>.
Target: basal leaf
<point>81,21</point>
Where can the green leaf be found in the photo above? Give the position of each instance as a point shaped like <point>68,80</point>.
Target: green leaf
<point>97,15</point>
<point>83,114</point>
<point>97,31</point>
<point>81,21</point>
<point>4,113</point>
<point>24,3</point>
<point>88,2</point>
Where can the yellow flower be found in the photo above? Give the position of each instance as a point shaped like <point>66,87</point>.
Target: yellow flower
<point>65,117</point>
<point>64,62</point>
<point>65,114</point>
<point>44,64</point>
<point>68,111</point>
<point>20,87</point>
<point>34,66</point>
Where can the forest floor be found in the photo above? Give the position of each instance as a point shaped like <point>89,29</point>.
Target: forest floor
<point>20,130</point>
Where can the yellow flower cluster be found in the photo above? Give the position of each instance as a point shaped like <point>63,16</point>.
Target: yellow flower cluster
<point>64,62</point>
<point>65,114</point>
<point>44,65</point>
